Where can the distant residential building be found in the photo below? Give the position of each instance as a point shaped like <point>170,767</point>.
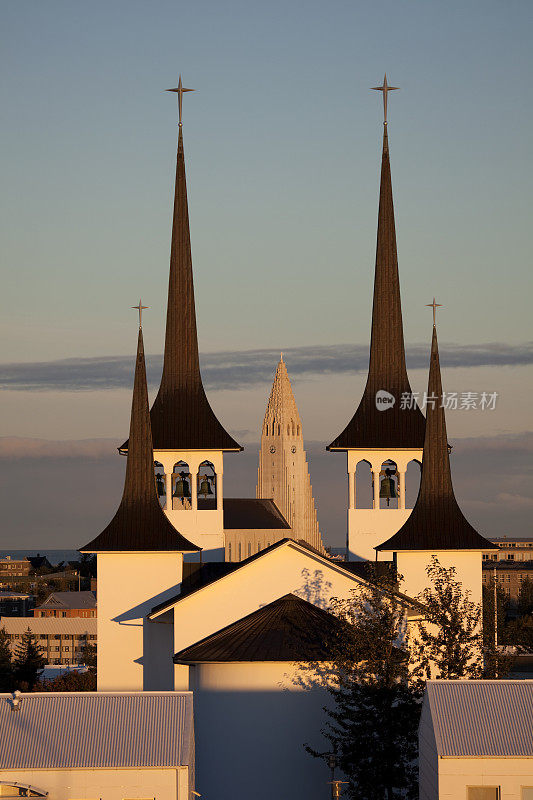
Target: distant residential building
<point>68,604</point>
<point>62,641</point>
<point>509,575</point>
<point>14,567</point>
<point>511,549</point>
<point>39,562</point>
<point>13,604</point>
<point>476,740</point>
<point>83,745</point>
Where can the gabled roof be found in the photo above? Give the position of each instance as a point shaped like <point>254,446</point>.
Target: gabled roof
<point>252,513</point>
<point>288,629</point>
<point>96,730</point>
<point>139,523</point>
<point>63,600</point>
<point>482,718</point>
<point>393,427</point>
<point>436,521</point>
<point>181,416</point>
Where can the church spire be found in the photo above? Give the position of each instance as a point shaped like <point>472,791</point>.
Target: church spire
<point>371,427</point>
<point>139,523</point>
<point>182,418</point>
<point>283,474</point>
<point>436,522</point>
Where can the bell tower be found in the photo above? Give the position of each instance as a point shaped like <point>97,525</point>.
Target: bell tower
<point>384,433</point>
<point>437,526</point>
<point>189,441</point>
<point>283,474</point>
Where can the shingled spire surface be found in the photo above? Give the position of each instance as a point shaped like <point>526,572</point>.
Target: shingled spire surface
<point>436,521</point>
<point>394,427</point>
<point>182,418</point>
<point>139,524</point>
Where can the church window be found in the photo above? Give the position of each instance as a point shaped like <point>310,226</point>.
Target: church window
<point>229,551</point>
<point>288,430</point>
<point>160,483</point>
<point>249,549</point>
<point>388,485</point>
<point>363,483</point>
<point>240,552</point>
<point>279,430</point>
<point>297,430</point>
<point>483,793</point>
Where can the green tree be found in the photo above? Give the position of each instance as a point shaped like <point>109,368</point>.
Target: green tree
<point>373,721</point>
<point>28,662</point>
<point>519,633</point>
<point>497,660</point>
<point>6,663</point>
<point>524,605</point>
<point>74,681</point>
<point>449,641</point>
<point>89,657</point>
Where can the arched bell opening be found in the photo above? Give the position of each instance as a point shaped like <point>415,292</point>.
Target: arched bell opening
<point>160,483</point>
<point>412,482</point>
<point>363,485</point>
<point>389,485</point>
<point>206,481</point>
<point>181,486</point>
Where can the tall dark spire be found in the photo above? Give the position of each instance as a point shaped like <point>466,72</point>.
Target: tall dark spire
<point>140,523</point>
<point>182,418</point>
<point>371,427</point>
<point>436,522</point>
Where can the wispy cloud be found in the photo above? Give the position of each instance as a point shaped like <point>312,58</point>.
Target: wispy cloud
<point>245,368</point>
<point>16,447</point>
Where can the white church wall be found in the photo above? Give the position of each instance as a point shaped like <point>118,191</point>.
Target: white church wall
<point>106,784</point>
<point>412,565</point>
<point>251,722</point>
<point>287,569</point>
<point>129,586</point>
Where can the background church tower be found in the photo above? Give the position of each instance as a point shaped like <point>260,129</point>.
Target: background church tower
<point>381,432</point>
<point>283,470</point>
<point>189,441</point>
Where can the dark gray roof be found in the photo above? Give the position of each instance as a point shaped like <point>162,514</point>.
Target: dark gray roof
<point>288,629</point>
<point>482,718</point>
<point>100,730</point>
<point>249,512</point>
<point>369,426</point>
<point>64,600</point>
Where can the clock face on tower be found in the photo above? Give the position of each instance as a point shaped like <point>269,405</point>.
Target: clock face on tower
<point>293,449</point>
<point>272,449</point>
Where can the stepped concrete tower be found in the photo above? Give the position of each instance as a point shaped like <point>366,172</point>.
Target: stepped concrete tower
<point>189,441</point>
<point>437,525</point>
<point>382,432</point>
<point>139,562</point>
<point>283,471</point>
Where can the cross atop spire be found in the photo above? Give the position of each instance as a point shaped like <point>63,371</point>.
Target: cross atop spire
<point>434,306</point>
<point>385,89</point>
<point>140,308</point>
<point>180,91</point>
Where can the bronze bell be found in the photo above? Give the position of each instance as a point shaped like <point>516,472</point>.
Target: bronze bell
<point>160,484</point>
<point>205,486</point>
<point>387,487</point>
<point>182,486</point>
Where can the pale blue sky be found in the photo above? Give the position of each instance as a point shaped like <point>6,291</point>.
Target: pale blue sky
<point>282,143</point>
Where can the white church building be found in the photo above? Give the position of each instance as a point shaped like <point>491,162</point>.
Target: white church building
<point>204,598</point>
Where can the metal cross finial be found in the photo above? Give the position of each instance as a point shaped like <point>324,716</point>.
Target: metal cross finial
<point>434,306</point>
<point>180,90</point>
<point>385,89</point>
<point>140,308</point>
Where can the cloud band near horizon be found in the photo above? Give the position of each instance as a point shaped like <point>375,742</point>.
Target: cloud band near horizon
<point>241,369</point>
